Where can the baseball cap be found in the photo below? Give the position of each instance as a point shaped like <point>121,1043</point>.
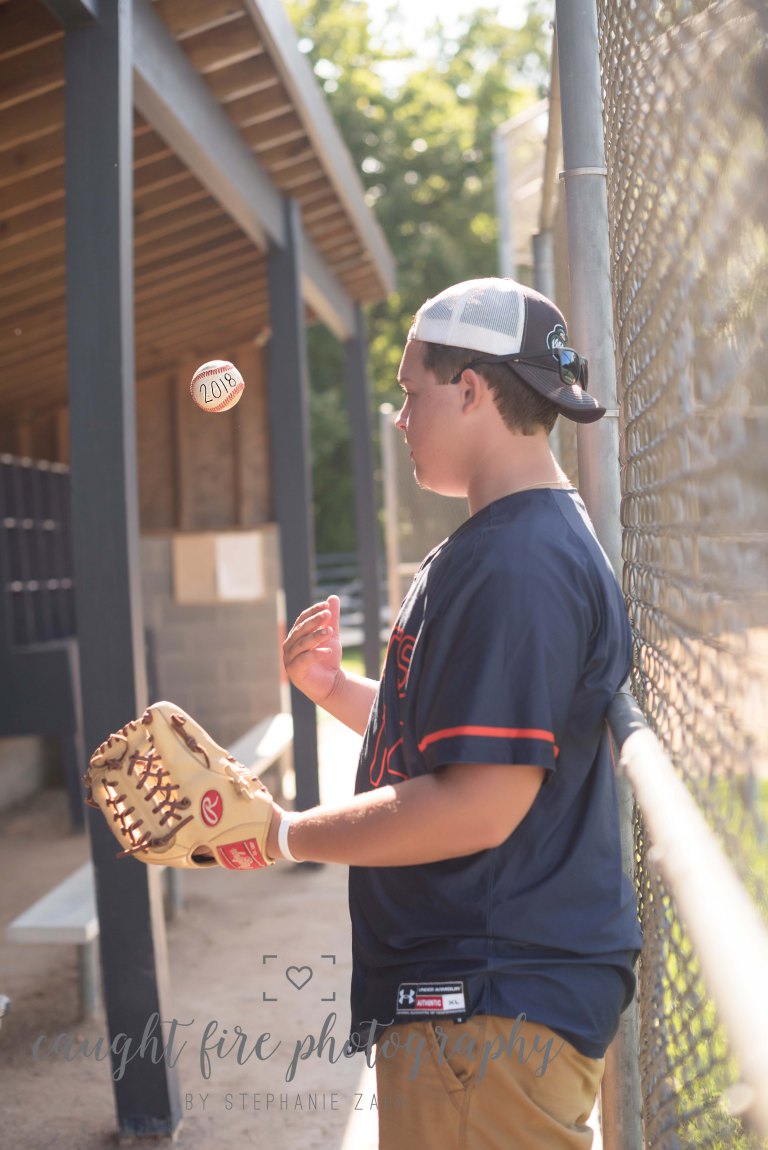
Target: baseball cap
<point>506,320</point>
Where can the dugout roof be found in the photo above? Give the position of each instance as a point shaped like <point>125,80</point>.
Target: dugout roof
<point>228,119</point>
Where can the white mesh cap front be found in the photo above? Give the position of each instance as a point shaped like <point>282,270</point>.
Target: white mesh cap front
<point>485,315</point>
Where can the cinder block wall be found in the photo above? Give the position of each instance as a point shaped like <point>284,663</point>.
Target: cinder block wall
<point>26,766</point>
<point>219,661</point>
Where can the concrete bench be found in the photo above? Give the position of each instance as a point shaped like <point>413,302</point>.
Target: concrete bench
<point>67,914</point>
<point>263,751</point>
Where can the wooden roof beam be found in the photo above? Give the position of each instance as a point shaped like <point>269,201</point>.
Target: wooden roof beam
<point>260,107</point>
<point>173,231</point>
<point>223,46</point>
<point>170,94</point>
<point>24,26</point>
<point>31,119</point>
<point>274,133</point>
<point>187,17</point>
<point>161,245</point>
<point>176,277</point>
<point>242,79</point>
<point>279,38</point>
<point>30,74</point>
<point>22,239</point>
<point>74,13</point>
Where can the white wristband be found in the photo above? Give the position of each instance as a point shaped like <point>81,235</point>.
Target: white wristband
<point>282,836</point>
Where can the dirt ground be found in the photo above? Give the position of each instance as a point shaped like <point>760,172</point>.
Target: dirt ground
<point>289,979</point>
<point>286,975</point>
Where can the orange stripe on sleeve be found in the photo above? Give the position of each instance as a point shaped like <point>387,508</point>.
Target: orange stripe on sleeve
<point>488,733</point>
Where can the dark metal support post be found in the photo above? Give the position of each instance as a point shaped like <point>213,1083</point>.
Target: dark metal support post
<point>99,119</point>
<point>288,389</point>
<point>358,399</point>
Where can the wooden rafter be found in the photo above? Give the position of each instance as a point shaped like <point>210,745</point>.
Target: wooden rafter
<point>197,274</point>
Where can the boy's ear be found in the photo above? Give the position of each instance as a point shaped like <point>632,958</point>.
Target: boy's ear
<point>473,388</point>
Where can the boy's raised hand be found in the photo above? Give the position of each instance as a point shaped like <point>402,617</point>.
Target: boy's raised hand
<point>312,650</point>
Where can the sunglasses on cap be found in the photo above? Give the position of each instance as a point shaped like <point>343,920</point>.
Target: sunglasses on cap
<point>572,367</point>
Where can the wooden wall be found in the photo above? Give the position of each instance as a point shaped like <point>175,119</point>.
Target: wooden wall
<point>197,472</point>
<point>203,472</point>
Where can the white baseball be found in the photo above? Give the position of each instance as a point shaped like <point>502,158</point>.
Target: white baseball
<point>216,386</point>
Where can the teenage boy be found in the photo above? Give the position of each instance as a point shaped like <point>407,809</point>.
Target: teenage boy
<point>494,934</point>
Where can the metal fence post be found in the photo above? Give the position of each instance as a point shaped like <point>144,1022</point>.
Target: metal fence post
<point>592,324</point>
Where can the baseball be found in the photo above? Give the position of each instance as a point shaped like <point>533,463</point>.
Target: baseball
<point>216,386</point>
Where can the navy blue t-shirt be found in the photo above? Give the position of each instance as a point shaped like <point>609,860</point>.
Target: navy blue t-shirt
<point>508,648</point>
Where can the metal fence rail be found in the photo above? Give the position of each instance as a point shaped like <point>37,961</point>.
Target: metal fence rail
<point>726,935</point>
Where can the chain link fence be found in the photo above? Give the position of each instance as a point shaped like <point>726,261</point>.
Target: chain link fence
<point>685,92</point>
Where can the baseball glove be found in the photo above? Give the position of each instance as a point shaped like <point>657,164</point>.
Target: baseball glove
<point>173,796</point>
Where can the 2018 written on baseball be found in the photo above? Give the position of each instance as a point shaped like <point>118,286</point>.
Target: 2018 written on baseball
<point>219,385</point>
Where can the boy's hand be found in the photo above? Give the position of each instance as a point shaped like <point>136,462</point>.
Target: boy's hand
<point>312,650</point>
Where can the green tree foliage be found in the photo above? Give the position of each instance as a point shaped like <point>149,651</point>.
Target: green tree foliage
<point>421,134</point>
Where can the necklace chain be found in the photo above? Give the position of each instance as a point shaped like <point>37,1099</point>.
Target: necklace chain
<point>543,483</point>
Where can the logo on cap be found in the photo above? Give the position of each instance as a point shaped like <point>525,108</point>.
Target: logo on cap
<point>558,337</point>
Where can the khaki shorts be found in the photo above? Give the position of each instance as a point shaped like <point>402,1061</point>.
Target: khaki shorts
<point>486,1084</point>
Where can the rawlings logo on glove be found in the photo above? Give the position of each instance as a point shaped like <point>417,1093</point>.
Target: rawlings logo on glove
<point>173,796</point>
